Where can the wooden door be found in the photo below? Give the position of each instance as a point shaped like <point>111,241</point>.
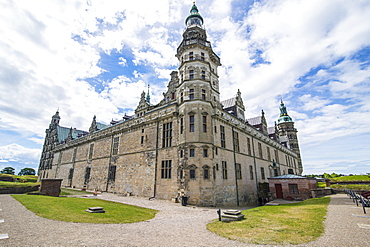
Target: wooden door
<point>279,191</point>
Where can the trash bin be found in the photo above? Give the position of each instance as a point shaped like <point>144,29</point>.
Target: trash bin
<point>184,200</point>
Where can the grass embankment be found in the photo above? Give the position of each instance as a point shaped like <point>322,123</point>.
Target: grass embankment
<point>351,178</point>
<point>16,184</point>
<point>294,223</point>
<point>25,178</point>
<point>73,210</point>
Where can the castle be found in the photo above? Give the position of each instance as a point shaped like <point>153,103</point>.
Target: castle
<point>190,143</point>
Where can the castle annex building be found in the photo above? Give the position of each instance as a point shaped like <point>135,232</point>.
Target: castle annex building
<point>190,143</point>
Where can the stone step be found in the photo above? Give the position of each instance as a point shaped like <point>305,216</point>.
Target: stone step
<point>232,212</point>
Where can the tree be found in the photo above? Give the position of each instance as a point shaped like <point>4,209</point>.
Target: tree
<point>8,170</point>
<point>27,171</point>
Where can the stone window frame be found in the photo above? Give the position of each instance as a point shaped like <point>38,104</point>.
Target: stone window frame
<point>205,152</point>
<point>115,145</point>
<point>191,122</point>
<point>236,141</point>
<point>192,171</point>
<point>238,171</point>
<point>191,92</point>
<point>260,153</point>
<point>268,153</point>
<point>224,170</point>
<point>249,146</point>
<point>204,123</point>
<point>251,175</point>
<point>263,176</point>
<point>206,173</point>
<point>222,136</point>
<point>191,152</point>
<point>166,169</point>
<point>167,135</point>
<point>91,151</point>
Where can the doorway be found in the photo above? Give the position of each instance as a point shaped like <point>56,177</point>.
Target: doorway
<point>279,191</point>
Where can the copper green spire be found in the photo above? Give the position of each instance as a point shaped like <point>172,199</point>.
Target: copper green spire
<point>148,96</point>
<point>284,117</point>
<point>194,18</point>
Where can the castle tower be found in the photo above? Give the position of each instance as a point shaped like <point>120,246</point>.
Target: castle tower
<point>51,140</point>
<point>197,95</point>
<point>288,134</point>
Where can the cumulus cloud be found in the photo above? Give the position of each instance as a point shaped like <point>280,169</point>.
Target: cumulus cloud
<point>310,52</point>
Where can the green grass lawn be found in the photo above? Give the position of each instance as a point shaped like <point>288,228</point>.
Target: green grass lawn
<point>17,184</point>
<point>69,192</point>
<point>351,186</point>
<point>294,223</point>
<point>73,209</point>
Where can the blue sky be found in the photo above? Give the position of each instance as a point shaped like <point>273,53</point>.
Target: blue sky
<point>96,57</point>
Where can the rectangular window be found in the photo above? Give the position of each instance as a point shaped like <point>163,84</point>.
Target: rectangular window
<point>236,141</point>
<point>293,188</point>
<point>249,146</point>
<point>202,56</point>
<point>192,152</point>
<point>191,74</point>
<point>181,125</point>
<point>166,169</point>
<point>203,75</point>
<point>260,150</point>
<point>112,173</point>
<point>224,170</point>
<point>181,97</point>
<point>167,135</point>
<point>295,165</point>
<point>263,173</point>
<point>290,171</point>
<point>115,145</point>
<point>191,93</point>
<point>191,56</point>
<point>206,173</point>
<point>192,173</point>
<point>276,156</point>
<point>87,175</point>
<point>286,160</point>
<point>191,120</point>
<point>205,152</point>
<point>203,94</point>
<point>204,124</point>
<point>238,171</point>
<point>91,151</point>
<point>251,172</point>
<point>223,139</point>
<point>216,150</point>
<point>142,140</point>
<point>268,154</point>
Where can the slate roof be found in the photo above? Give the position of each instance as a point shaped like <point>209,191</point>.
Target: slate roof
<point>101,126</point>
<point>228,103</point>
<point>271,130</point>
<point>254,120</point>
<point>64,131</point>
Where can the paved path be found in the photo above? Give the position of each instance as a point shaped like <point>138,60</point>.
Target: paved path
<point>174,225</point>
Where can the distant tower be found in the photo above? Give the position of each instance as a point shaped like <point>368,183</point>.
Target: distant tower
<point>288,134</point>
<point>51,140</point>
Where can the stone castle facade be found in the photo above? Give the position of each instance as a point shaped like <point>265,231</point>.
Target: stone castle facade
<point>191,143</point>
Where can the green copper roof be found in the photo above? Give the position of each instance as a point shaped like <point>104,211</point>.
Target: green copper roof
<point>194,13</point>
<point>284,117</point>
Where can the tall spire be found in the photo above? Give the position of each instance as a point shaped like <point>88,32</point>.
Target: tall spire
<point>148,95</point>
<point>284,117</point>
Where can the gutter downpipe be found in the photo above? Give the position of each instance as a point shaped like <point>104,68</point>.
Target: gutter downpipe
<point>236,177</point>
<point>255,168</point>
<point>109,163</point>
<point>156,161</point>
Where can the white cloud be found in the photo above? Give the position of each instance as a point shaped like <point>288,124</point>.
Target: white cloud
<point>15,152</point>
